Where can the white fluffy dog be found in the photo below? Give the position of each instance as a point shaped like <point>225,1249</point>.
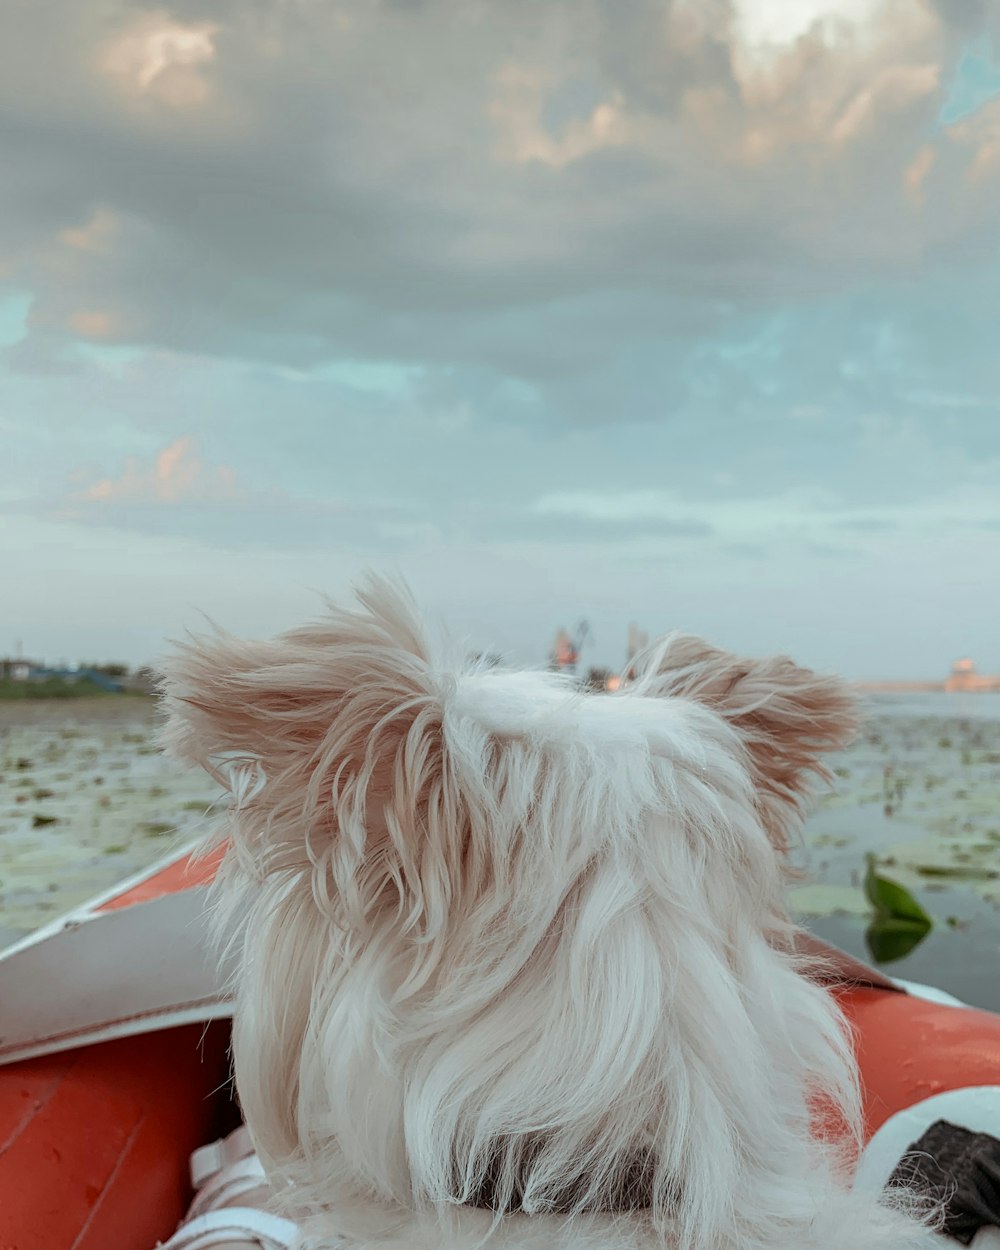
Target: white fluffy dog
<point>514,962</point>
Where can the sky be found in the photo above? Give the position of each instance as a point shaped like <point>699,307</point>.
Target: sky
<point>680,312</point>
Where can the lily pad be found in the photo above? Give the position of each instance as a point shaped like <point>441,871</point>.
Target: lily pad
<point>889,939</point>
<point>889,899</point>
<point>957,872</point>
<point>900,923</point>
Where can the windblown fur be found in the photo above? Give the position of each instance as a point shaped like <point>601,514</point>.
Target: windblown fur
<point>500,937</point>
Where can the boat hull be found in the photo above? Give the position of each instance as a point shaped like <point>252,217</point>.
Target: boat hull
<point>110,1079</point>
<point>96,1141</point>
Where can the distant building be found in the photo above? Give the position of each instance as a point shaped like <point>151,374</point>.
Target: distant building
<point>963,678</point>
<point>638,640</point>
<point>39,672</point>
<point>17,668</point>
<point>565,652</point>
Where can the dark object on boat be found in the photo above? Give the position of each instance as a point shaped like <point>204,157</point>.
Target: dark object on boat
<point>960,1170</point>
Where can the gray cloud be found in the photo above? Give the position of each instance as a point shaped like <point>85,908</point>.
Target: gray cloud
<point>437,183</point>
<point>589,531</point>
<point>868,525</point>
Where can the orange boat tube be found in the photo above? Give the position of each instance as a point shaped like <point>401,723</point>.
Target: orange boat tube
<point>94,1143</point>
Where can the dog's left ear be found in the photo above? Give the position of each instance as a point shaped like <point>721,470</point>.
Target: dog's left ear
<point>787,717</point>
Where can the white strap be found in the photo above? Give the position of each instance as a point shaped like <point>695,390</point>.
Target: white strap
<point>226,1187</point>
<point>208,1160</point>
<point>258,1228</point>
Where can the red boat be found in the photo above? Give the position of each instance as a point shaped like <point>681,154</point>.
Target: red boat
<point>114,1044</point>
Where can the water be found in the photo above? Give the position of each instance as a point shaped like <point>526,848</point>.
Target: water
<point>85,800</point>
<point>921,789</point>
<point>935,704</point>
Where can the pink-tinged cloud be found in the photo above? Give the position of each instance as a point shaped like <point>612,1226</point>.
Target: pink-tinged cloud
<point>175,492</point>
<point>176,475</point>
<point>96,235</point>
<point>96,323</point>
<point>158,56</point>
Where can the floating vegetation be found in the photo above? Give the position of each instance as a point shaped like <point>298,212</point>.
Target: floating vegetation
<point>68,834</point>
<point>900,924</point>
<point>829,839</point>
<point>945,818</point>
<point>156,828</point>
<point>958,872</point>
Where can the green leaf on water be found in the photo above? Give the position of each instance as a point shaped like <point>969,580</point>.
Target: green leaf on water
<point>890,939</point>
<point>890,900</point>
<point>900,923</point>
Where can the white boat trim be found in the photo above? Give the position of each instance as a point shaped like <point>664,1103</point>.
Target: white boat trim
<point>95,976</point>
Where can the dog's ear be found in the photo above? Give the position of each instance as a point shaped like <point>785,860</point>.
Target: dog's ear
<point>786,716</point>
<point>329,739</point>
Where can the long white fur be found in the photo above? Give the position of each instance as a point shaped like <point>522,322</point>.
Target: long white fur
<point>490,924</point>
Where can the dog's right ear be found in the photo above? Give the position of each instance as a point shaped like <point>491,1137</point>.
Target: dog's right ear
<point>329,739</point>
<point>220,697</point>
<point>223,695</point>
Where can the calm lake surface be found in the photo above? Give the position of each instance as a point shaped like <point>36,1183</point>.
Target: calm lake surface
<point>920,788</point>
<point>86,800</point>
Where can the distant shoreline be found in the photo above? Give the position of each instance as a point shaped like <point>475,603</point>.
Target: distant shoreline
<point>900,687</point>
<point>92,695</point>
<point>58,689</point>
<point>11,692</point>
<point>985,685</point>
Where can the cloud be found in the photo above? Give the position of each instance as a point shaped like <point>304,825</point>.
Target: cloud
<point>155,55</point>
<point>176,476</point>
<point>918,171</point>
<point>628,506</point>
<point>177,493</point>
<point>768,25</point>
<point>96,235</point>
<point>583,530</point>
<point>403,182</point>
<point>817,517</point>
<point>653,310</point>
<point>869,525</point>
<point>95,323</point>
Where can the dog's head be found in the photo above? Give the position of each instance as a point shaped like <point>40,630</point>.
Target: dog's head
<point>510,944</point>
